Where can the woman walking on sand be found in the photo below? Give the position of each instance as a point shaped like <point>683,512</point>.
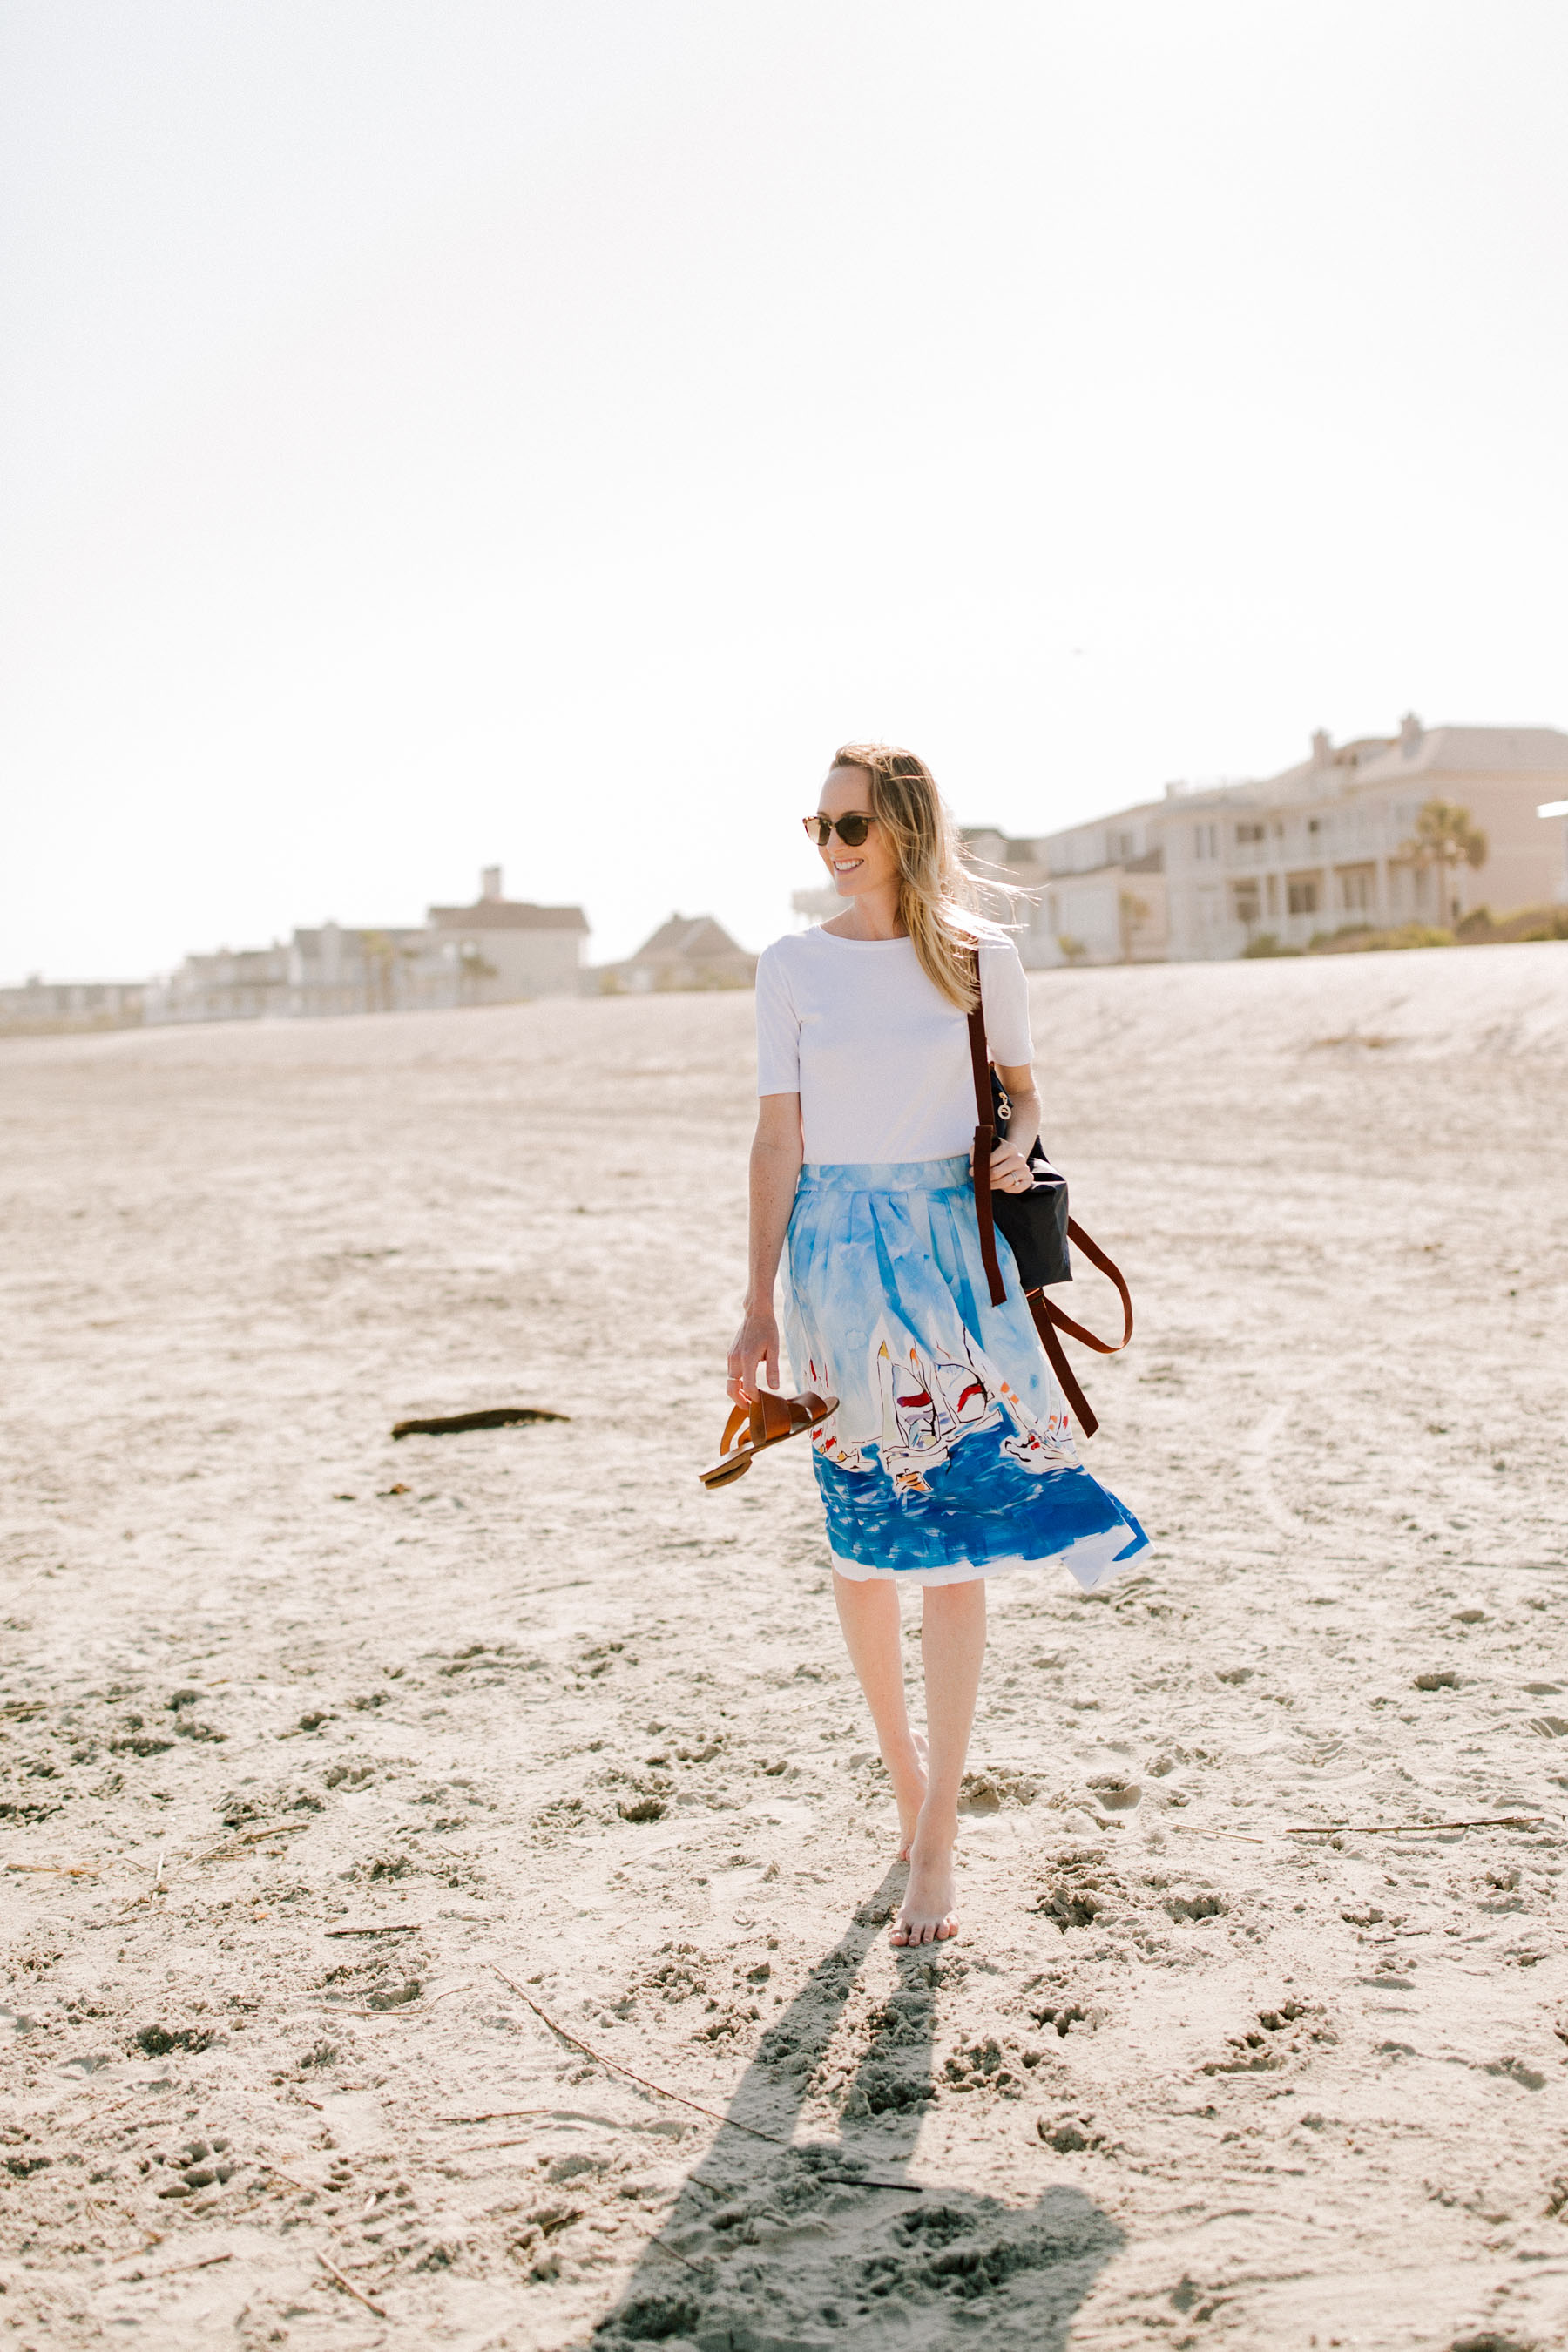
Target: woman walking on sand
<point>949,1458</point>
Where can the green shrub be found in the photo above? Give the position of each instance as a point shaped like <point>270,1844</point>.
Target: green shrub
<point>1413,935</point>
<point>1267,943</point>
<point>1356,938</point>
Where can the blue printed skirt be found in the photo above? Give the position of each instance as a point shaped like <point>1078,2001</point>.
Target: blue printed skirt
<point>951,1454</point>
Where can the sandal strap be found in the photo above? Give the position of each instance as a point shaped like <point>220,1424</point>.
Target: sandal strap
<point>773,1417</point>
<point>738,1420</point>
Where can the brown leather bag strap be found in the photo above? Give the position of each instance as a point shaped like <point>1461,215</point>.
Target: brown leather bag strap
<point>984,1139</point>
<point>1096,1256</point>
<point>1082,1411</point>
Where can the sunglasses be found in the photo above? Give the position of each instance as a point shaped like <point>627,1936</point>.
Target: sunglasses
<point>851,830</point>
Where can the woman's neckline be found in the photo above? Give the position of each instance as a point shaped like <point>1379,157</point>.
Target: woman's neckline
<point>840,940</point>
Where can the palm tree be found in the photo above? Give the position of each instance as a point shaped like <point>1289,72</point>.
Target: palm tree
<point>1444,836</point>
<point>379,956</point>
<point>1131,911</point>
<point>473,971</point>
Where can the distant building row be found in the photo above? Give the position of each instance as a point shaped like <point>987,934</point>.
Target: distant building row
<point>1203,872</point>
<point>494,951</point>
<point>497,951</point>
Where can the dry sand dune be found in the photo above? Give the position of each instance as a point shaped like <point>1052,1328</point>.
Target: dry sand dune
<point>529,1701</point>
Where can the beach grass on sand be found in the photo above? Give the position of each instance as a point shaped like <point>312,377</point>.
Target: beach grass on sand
<point>582,1735</point>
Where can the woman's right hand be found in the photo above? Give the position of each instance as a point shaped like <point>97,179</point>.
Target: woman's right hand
<point>756,1342</point>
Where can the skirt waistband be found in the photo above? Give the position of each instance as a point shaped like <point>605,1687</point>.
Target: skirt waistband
<point>886,1175</point>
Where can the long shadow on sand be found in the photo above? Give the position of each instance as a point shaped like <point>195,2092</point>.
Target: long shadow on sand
<point>778,2250</point>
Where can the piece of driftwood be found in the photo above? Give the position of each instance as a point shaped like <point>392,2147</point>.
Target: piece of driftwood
<point>262,2165</point>
<point>386,1928</point>
<point>1409,1829</point>
<point>660,2248</point>
<point>252,1837</point>
<point>501,1416</point>
<point>172,2270</point>
<point>561,2114</point>
<point>348,2286</point>
<point>1366,1829</point>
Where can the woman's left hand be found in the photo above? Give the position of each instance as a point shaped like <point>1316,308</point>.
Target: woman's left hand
<point>1010,1171</point>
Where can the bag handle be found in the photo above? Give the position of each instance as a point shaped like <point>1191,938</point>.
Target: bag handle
<point>984,1138</point>
<point>1083,1413</point>
<point>1049,1319</point>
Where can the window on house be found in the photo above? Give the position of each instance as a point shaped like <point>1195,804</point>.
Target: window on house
<point>1356,890</point>
<point>1301,894</point>
<point>1244,901</point>
<point>1205,841</point>
<point>1248,832</point>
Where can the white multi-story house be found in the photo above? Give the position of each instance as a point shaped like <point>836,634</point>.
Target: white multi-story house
<point>1202,871</point>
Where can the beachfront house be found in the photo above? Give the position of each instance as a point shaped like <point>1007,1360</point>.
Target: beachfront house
<point>502,949</point>
<point>689,951</point>
<point>1324,847</point>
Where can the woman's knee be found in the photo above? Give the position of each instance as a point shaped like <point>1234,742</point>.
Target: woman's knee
<point>956,1607</point>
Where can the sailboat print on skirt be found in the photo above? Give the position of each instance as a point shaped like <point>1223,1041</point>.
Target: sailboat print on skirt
<point>950,1453</point>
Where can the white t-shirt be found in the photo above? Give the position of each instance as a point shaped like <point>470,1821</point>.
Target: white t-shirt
<point>878,1054</point>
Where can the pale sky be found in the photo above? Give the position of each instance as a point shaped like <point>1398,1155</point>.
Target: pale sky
<point>443,432</point>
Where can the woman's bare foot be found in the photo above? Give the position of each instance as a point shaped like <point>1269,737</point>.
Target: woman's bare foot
<point>909,1788</point>
<point>927,1914</point>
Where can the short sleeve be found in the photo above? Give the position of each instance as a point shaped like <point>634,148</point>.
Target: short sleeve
<point>1004,989</point>
<point>778,1029</point>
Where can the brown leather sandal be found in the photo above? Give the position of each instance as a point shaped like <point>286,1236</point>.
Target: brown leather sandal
<point>768,1421</point>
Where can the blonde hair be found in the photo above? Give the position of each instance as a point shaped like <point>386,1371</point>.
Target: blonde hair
<point>936,884</point>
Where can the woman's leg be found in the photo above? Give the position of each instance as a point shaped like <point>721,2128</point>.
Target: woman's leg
<point>954,1642</point>
<point>868,1613</point>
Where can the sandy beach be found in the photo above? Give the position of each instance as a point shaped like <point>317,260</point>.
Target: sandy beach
<point>357,1790</point>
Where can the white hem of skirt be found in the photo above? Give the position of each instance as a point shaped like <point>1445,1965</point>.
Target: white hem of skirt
<point>1092,1561</point>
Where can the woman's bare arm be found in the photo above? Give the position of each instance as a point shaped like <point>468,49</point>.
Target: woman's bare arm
<point>1010,1161</point>
<point>776,1155</point>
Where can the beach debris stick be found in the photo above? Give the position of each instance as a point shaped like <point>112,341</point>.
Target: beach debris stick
<point>398,2009</point>
<point>510,2115</point>
<point>660,2248</point>
<point>55,1869</point>
<point>1403,1829</point>
<point>1190,1829</point>
<point>172,2270</point>
<point>858,2180</point>
<point>561,2115</point>
<point>278,2175</point>
<point>251,1837</point>
<point>348,2286</point>
<point>386,1928</point>
<point>503,1417</point>
<point>1365,1829</point>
